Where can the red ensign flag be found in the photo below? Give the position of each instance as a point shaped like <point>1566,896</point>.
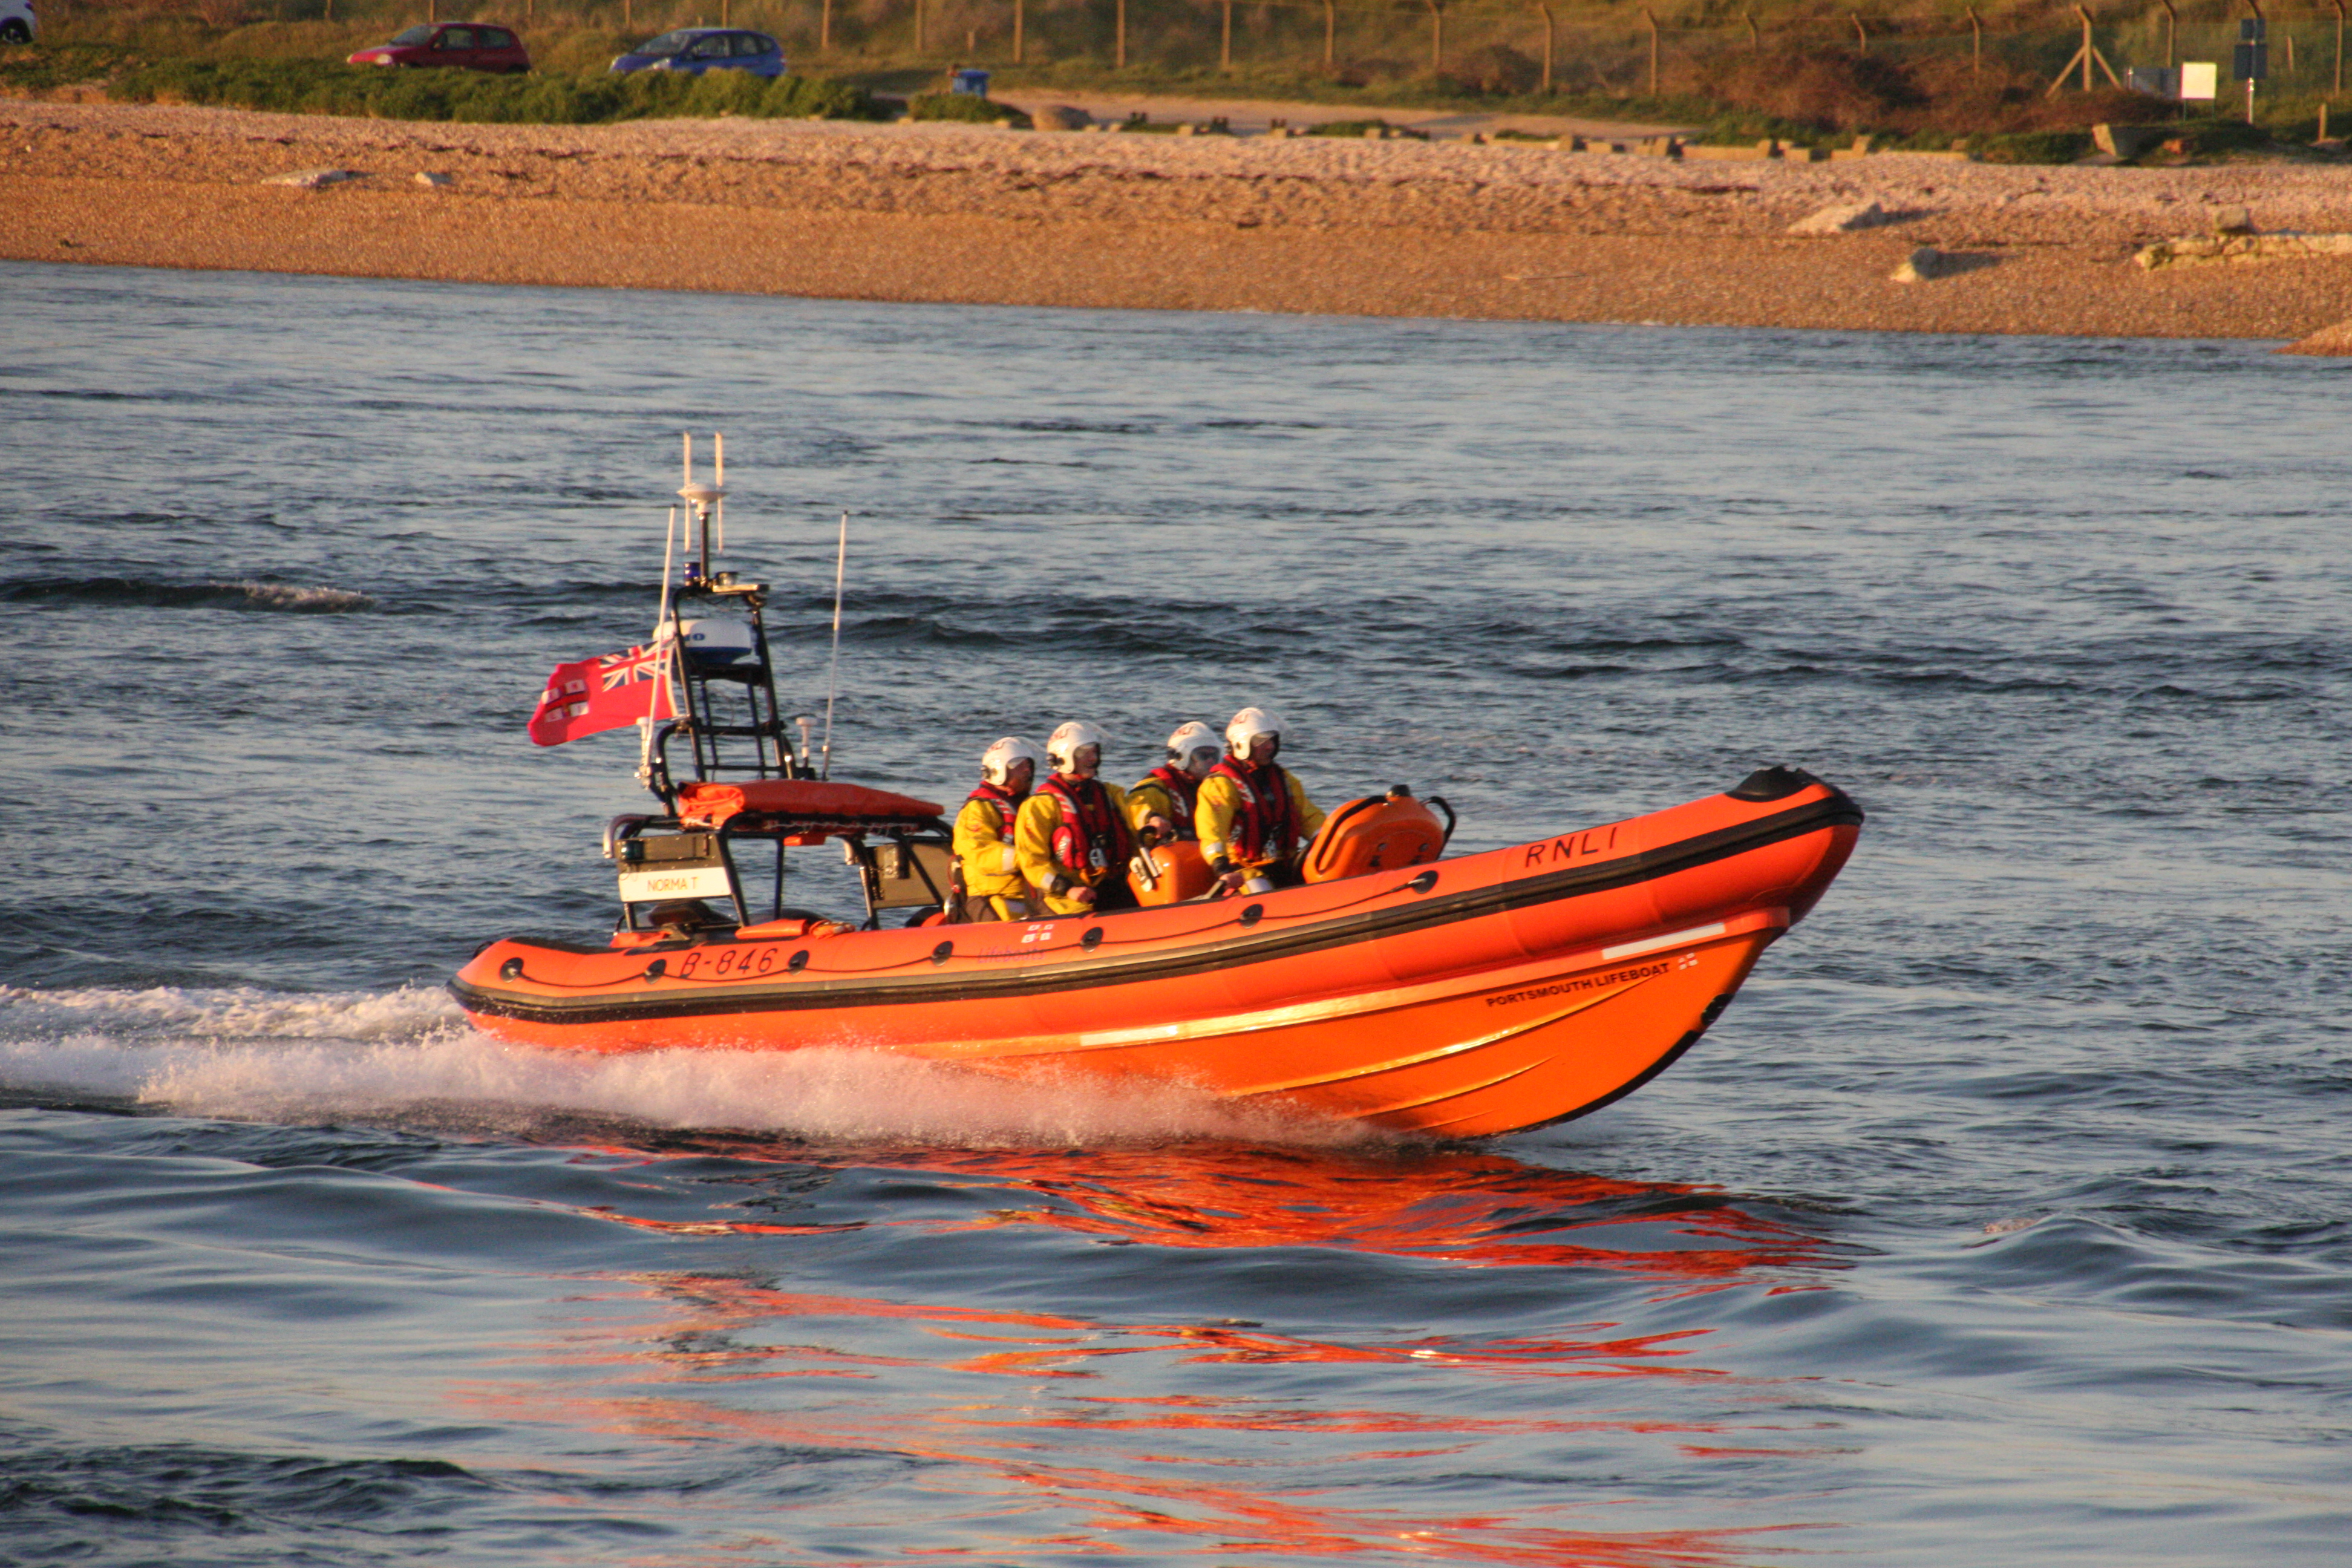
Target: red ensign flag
<point>602,693</point>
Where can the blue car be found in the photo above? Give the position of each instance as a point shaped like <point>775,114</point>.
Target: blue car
<point>698,49</point>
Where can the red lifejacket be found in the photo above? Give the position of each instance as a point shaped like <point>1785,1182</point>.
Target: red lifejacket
<point>1091,840</point>
<point>1008,811</point>
<point>1183,790</point>
<point>1267,826</point>
<point>1007,804</point>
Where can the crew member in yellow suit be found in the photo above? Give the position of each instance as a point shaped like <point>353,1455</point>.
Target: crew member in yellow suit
<point>988,866</point>
<point>1252,814</point>
<point>1170,789</point>
<point>1074,838</point>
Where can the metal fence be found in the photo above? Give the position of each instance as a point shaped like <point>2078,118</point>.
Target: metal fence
<point>1493,45</point>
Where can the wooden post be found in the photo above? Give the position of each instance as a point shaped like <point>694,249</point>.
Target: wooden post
<point>1976,43</point>
<point>1437,35</point>
<point>722,12</point>
<point>2085,56</point>
<point>1860,33</point>
<point>1550,30</point>
<point>1650,19</point>
<point>1119,45</point>
<point>919,24</point>
<point>1020,30</point>
<point>1331,30</point>
<point>2340,45</point>
<point>1225,38</point>
<point>823,26</point>
<point>2172,26</point>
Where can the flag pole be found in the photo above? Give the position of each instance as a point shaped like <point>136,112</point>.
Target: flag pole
<point>662,653</point>
<point>833,683</point>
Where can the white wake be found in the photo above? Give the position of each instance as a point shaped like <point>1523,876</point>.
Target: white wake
<point>409,1056</point>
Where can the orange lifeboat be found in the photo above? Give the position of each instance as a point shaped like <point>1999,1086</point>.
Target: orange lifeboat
<point>1455,997</point>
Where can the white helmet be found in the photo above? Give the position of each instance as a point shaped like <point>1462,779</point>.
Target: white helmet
<point>1246,726</point>
<point>1188,739</point>
<point>1062,745</point>
<point>996,764</point>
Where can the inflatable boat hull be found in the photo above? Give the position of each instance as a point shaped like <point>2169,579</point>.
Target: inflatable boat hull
<point>1475,997</point>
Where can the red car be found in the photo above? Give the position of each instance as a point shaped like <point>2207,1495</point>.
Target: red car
<point>474,46</point>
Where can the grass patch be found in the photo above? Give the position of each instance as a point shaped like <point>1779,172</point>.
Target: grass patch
<point>31,67</point>
<point>964,107</point>
<point>1359,129</point>
<point>2032,147</point>
<point>316,86</point>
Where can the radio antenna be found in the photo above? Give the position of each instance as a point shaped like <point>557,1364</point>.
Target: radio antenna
<point>705,501</point>
<point>718,483</point>
<point>833,683</point>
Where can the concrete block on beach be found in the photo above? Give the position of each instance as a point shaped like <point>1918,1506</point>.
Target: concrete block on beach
<point>1061,117</point>
<point>1843,220</point>
<point>434,181</point>
<point>2240,248</point>
<point>1927,264</point>
<point>312,179</point>
<point>2127,141</point>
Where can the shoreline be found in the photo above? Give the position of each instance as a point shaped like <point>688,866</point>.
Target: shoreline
<point>962,215</point>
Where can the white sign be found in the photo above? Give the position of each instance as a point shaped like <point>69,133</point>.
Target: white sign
<point>639,887</point>
<point>2200,79</point>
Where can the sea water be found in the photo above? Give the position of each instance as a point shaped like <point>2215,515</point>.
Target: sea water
<point>2002,1219</point>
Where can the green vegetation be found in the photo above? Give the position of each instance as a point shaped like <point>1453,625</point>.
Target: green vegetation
<point>305,86</point>
<point>36,67</point>
<point>1911,73</point>
<point>1361,128</point>
<point>964,107</point>
<point>2032,147</point>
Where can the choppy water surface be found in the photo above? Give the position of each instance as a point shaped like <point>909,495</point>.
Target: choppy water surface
<point>2002,1220</point>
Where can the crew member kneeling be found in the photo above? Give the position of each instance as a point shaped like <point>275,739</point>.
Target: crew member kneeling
<point>988,863</point>
<point>1073,834</point>
<point>1171,789</point>
<point>1253,817</point>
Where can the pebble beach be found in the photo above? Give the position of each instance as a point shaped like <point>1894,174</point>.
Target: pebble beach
<point>1347,226</point>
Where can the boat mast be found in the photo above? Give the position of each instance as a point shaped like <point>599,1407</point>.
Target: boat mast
<point>715,639</point>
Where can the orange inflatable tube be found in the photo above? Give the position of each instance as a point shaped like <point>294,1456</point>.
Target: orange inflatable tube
<point>1462,997</point>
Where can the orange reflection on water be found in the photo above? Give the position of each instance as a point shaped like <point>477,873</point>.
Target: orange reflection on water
<point>1477,1209</point>
<point>722,1308</point>
<point>1093,1498</point>
<point>1045,1431</point>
